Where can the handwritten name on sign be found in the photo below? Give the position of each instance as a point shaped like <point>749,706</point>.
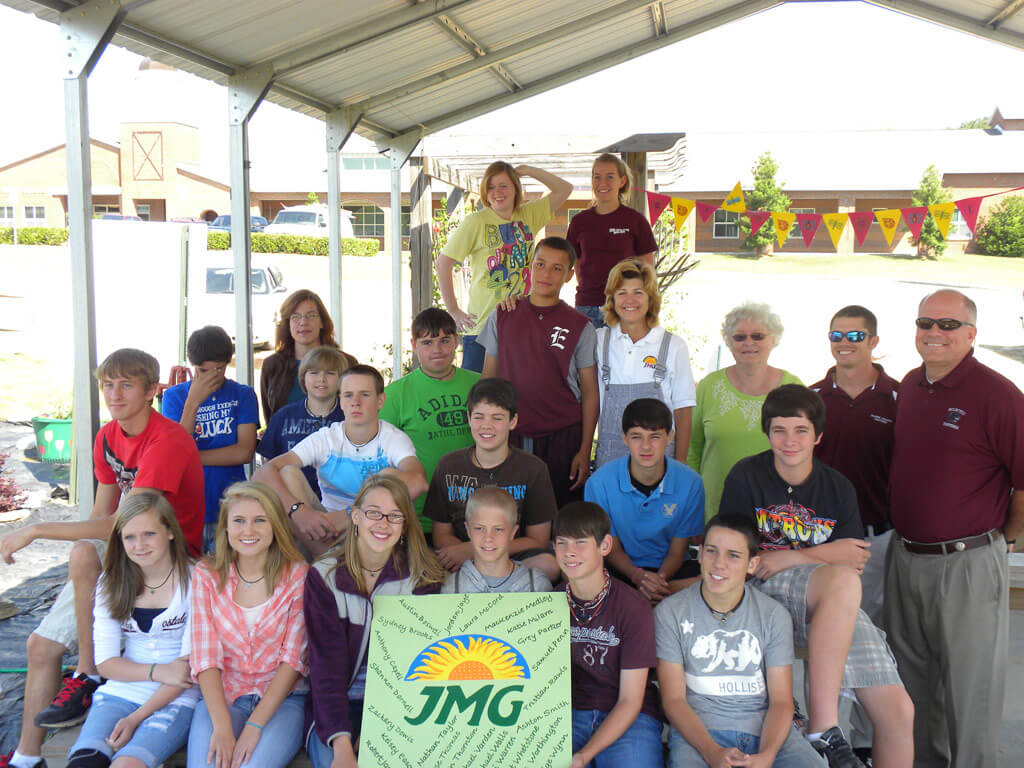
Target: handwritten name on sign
<point>468,680</point>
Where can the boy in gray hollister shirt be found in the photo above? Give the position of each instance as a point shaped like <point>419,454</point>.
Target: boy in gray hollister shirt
<point>725,654</point>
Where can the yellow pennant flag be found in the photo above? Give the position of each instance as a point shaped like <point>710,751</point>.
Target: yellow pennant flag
<point>783,225</point>
<point>888,220</point>
<point>835,223</point>
<point>734,202</point>
<point>681,209</point>
<point>943,215</point>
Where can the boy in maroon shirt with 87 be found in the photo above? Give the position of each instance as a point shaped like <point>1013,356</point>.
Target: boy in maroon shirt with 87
<point>548,351</point>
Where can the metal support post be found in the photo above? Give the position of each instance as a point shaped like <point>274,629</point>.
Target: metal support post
<point>421,220</point>
<point>339,127</point>
<point>246,90</point>
<point>84,34</point>
<point>399,152</point>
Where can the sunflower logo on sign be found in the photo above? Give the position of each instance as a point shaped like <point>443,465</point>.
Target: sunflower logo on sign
<point>469,657</point>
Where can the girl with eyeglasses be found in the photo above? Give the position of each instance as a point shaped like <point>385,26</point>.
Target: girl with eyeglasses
<point>303,324</point>
<point>727,418</point>
<point>248,637</point>
<point>383,552</point>
<point>140,716</point>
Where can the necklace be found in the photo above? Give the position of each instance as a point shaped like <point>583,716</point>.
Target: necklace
<point>365,443</point>
<point>585,611</point>
<point>721,615</point>
<point>152,590</point>
<point>502,582</point>
<point>248,584</point>
<point>372,571</point>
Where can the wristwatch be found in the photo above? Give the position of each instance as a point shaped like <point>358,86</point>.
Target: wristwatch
<point>293,507</point>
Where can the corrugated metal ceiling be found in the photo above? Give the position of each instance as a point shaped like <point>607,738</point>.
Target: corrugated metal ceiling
<point>410,67</point>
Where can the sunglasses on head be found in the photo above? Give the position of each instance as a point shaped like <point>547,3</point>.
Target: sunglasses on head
<point>855,336</point>
<point>741,337</point>
<point>944,323</point>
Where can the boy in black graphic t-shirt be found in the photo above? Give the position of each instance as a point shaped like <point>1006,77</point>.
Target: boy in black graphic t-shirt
<point>812,551</point>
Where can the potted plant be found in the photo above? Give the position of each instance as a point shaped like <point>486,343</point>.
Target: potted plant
<point>53,431</point>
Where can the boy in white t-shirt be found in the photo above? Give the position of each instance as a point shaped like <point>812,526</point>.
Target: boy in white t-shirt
<point>344,454</point>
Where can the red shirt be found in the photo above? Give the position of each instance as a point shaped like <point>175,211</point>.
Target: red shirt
<point>858,441</point>
<point>603,240</point>
<point>958,451</point>
<point>163,456</point>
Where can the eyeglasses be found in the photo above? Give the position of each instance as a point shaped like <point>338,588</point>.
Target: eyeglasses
<point>855,336</point>
<point>299,317</point>
<point>945,323</point>
<point>395,518</point>
<point>741,337</point>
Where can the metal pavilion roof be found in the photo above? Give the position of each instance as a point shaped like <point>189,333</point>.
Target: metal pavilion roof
<point>413,68</point>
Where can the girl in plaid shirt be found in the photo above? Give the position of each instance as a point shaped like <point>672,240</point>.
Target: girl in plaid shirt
<point>383,552</point>
<point>248,637</point>
<point>142,713</point>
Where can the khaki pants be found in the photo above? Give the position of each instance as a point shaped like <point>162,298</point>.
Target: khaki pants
<point>948,622</point>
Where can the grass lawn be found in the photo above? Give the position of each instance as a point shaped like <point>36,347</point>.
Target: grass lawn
<point>969,269</point>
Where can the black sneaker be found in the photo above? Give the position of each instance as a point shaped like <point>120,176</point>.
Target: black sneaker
<point>5,761</point>
<point>833,746</point>
<point>70,705</point>
<point>864,755</point>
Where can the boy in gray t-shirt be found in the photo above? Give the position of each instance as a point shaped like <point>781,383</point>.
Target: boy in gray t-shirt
<point>725,655</point>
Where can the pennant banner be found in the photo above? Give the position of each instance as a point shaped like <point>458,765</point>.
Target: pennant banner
<point>808,224</point>
<point>914,218</point>
<point>757,220</point>
<point>734,202</point>
<point>888,220</point>
<point>942,214</point>
<point>783,225</point>
<point>835,223</point>
<point>704,210</point>
<point>656,203</point>
<point>969,208</point>
<point>861,222</point>
<point>681,208</point>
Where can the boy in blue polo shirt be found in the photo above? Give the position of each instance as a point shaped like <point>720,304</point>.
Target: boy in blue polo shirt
<point>655,503</point>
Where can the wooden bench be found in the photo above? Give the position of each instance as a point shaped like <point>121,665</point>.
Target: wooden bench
<point>55,752</point>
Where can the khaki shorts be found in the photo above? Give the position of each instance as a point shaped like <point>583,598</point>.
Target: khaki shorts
<point>59,624</point>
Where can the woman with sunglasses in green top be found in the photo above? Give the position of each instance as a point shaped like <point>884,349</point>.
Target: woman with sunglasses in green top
<point>727,418</point>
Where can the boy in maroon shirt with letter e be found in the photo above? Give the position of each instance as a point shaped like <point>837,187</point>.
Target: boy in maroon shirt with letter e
<point>547,350</point>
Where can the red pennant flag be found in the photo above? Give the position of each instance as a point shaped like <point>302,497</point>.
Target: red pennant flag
<point>861,221</point>
<point>808,224</point>
<point>656,203</point>
<point>969,208</point>
<point>704,210</point>
<point>757,220</point>
<point>914,219</point>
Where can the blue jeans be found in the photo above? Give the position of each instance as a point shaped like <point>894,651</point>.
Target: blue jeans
<point>472,354</point>
<point>320,755</point>
<point>638,747</point>
<point>795,751</point>
<point>593,314</point>
<point>279,740</point>
<point>157,738</point>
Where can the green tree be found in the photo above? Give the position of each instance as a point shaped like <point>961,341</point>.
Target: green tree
<point>978,122</point>
<point>312,199</point>
<point>767,195</point>
<point>930,243</point>
<point>1001,233</point>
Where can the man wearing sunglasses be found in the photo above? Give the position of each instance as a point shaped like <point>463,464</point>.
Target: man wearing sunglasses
<point>958,455</point>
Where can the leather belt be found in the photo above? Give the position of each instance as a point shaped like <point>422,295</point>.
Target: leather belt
<point>950,547</point>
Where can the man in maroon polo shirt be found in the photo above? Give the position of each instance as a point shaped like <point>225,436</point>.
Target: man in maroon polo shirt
<point>860,408</point>
<point>957,458</point>
<point>548,351</point>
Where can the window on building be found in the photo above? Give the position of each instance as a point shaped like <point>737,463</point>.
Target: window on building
<point>406,220</point>
<point>35,215</point>
<point>142,211</point>
<point>801,210</point>
<point>365,163</point>
<point>367,220</point>
<point>573,212</point>
<point>958,229</point>
<point>726,225</point>
<point>99,209</point>
<point>6,215</point>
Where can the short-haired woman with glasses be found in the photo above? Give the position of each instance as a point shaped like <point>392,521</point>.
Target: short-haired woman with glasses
<point>304,323</point>
<point>383,552</point>
<point>727,419</point>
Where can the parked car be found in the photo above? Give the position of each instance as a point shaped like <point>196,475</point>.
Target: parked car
<point>223,223</point>
<point>309,220</point>
<point>216,304</point>
<point>119,217</point>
